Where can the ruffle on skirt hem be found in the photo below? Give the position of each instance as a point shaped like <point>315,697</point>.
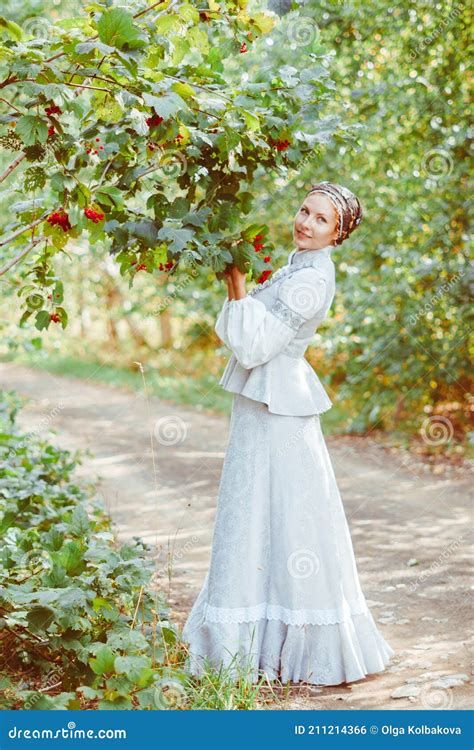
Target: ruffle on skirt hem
<point>316,654</point>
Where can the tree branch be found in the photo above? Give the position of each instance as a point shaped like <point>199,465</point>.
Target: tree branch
<point>10,105</point>
<point>12,166</point>
<point>23,229</point>
<point>21,255</point>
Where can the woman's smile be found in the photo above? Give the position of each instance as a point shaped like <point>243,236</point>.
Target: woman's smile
<point>303,234</point>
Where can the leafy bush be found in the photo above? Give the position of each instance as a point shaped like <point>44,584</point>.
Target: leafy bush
<point>79,624</point>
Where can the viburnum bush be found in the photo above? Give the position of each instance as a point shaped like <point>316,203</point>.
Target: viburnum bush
<point>148,127</point>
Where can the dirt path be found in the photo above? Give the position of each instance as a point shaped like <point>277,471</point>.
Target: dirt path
<point>411,533</point>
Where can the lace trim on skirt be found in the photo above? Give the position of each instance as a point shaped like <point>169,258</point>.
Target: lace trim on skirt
<point>288,616</point>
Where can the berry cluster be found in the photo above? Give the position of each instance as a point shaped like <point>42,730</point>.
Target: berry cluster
<point>166,266</point>
<point>279,144</point>
<point>154,121</point>
<point>61,219</point>
<point>90,148</point>
<point>54,317</point>
<point>94,215</point>
<point>258,245</point>
<point>53,110</point>
<point>264,275</point>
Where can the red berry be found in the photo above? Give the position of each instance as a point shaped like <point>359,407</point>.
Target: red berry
<point>94,215</point>
<point>97,139</point>
<point>154,120</point>
<point>101,148</point>
<point>243,48</point>
<point>53,110</point>
<point>54,317</point>
<point>267,259</point>
<point>59,218</point>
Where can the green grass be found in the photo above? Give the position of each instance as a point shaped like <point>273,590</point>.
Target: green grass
<point>200,391</point>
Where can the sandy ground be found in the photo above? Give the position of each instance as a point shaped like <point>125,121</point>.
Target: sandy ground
<point>159,467</point>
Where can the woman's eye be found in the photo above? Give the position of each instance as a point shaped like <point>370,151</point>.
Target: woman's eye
<point>323,219</point>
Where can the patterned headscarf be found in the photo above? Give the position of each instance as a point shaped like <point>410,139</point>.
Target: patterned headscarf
<point>347,205</point>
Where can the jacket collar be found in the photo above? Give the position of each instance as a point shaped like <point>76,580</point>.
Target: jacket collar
<point>295,255</point>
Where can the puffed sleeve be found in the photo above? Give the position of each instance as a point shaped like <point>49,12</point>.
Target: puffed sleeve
<point>256,333</point>
<point>222,323</point>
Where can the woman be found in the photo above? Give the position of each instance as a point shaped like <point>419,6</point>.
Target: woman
<point>282,593</point>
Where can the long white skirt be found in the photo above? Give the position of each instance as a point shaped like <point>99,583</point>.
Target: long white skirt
<point>282,593</point>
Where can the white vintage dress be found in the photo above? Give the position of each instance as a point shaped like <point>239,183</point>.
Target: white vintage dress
<point>282,593</point>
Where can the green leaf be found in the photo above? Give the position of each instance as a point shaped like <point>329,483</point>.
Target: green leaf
<point>178,238</point>
<point>11,28</point>
<point>80,521</point>
<point>263,22</point>
<point>110,196</point>
<point>183,89</point>
<point>103,662</point>
<point>132,666</point>
<point>116,28</point>
<point>42,320</point>
<point>166,105</point>
<point>71,558</point>
<point>40,617</point>
<point>165,24</point>
<point>251,120</point>
<point>31,129</point>
<point>58,293</point>
<point>83,48</point>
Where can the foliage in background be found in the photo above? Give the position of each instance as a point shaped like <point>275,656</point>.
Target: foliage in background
<point>395,351</point>
<point>137,126</point>
<point>398,346</point>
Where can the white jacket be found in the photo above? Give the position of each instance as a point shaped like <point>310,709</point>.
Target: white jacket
<point>269,331</point>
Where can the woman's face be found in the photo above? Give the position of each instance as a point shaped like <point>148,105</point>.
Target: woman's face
<point>315,223</point>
